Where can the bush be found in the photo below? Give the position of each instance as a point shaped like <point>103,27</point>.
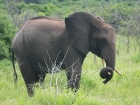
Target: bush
<point>4,51</point>
<point>7,31</point>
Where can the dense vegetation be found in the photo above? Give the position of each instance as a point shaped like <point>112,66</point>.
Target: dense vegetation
<point>123,15</point>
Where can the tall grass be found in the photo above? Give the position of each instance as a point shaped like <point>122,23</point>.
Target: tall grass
<point>121,90</point>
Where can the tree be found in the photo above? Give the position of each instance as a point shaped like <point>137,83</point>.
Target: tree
<point>7,30</point>
<point>35,1</point>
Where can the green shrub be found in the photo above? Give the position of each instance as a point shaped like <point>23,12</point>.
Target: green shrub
<point>4,51</point>
<point>7,31</point>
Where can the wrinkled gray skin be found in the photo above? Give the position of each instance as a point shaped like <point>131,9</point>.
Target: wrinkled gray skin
<point>43,43</point>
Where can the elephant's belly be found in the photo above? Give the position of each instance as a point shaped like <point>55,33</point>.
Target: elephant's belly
<point>47,63</point>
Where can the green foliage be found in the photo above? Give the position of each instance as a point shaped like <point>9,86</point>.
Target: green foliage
<point>2,1</point>
<point>121,14</point>
<point>4,51</point>
<point>35,1</point>
<point>46,9</point>
<point>116,13</point>
<point>136,58</point>
<point>50,9</point>
<point>7,31</point>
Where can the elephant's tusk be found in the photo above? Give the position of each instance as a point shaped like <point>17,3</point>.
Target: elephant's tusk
<point>108,73</point>
<point>118,71</point>
<point>104,63</point>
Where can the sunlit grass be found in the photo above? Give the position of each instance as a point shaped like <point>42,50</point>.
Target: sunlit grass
<point>121,90</point>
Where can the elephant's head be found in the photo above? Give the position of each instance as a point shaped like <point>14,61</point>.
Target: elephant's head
<point>91,33</point>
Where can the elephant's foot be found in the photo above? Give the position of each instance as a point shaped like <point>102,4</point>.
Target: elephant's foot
<point>30,89</point>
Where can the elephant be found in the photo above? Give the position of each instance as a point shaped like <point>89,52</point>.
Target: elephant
<point>44,45</point>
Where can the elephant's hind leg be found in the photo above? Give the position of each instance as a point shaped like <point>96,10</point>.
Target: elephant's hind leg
<point>28,75</point>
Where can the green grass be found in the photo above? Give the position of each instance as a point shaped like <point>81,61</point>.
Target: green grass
<point>121,90</point>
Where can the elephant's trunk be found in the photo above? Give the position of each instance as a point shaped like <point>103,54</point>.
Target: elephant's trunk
<point>104,65</point>
<point>108,60</point>
<point>107,72</point>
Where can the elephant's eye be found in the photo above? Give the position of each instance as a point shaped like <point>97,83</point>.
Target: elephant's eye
<point>102,41</point>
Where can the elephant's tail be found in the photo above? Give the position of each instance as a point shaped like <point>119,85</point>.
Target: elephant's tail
<point>13,63</point>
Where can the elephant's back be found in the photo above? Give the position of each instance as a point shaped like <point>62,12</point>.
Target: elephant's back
<point>43,23</point>
<point>43,32</point>
<point>43,40</point>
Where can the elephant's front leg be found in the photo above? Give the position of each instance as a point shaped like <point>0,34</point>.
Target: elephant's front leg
<point>73,66</point>
<point>73,73</point>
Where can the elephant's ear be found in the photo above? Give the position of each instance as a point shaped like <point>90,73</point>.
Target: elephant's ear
<point>78,27</point>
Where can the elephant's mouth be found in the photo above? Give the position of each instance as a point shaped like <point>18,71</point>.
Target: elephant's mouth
<point>107,72</point>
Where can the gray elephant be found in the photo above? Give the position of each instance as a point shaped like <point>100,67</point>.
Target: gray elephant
<point>42,45</point>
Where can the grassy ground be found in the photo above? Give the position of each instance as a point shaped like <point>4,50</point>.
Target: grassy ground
<point>121,90</point>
